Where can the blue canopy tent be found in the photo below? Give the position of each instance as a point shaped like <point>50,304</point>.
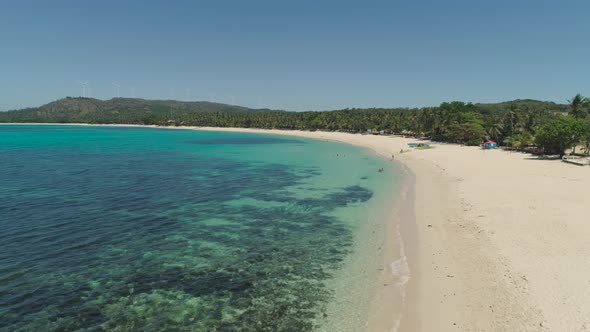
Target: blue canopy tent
<point>490,145</point>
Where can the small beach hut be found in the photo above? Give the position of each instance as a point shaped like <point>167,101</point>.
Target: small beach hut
<point>489,145</point>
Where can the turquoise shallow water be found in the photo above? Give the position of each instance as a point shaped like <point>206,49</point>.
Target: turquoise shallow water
<point>110,228</point>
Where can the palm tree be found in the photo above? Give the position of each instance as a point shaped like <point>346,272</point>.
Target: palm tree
<point>511,119</point>
<point>530,120</point>
<point>495,131</point>
<point>577,105</point>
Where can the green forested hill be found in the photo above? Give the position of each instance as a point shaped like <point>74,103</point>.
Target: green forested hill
<point>116,110</point>
<point>522,104</point>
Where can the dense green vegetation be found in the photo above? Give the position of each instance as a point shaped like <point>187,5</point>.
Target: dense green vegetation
<point>561,134</point>
<point>516,124</point>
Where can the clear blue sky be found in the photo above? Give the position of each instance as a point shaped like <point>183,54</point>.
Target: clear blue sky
<point>296,55</point>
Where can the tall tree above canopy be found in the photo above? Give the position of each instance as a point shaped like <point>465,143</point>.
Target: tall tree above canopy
<point>577,105</point>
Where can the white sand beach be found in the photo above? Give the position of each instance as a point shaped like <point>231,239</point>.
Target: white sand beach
<point>501,241</point>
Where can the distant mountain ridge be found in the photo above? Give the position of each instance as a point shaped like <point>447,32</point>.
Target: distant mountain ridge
<point>83,105</point>
<point>173,112</point>
<point>531,104</point>
<point>81,109</point>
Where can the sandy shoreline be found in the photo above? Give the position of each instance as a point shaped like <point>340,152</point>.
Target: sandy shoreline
<point>501,239</point>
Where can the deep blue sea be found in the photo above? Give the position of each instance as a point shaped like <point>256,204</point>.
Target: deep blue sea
<point>138,229</point>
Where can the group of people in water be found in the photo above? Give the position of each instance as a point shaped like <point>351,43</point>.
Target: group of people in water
<point>392,158</point>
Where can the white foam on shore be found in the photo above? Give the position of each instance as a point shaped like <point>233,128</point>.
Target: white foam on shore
<point>401,272</point>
